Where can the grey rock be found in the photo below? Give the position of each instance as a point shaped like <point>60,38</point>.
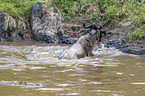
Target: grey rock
<point>46,24</point>
<point>10,30</point>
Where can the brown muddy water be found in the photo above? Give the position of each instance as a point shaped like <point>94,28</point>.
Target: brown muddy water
<point>32,69</point>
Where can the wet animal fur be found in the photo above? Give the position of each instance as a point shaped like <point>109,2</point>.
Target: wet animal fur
<point>83,47</point>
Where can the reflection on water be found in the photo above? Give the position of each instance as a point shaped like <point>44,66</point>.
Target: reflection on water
<point>32,68</point>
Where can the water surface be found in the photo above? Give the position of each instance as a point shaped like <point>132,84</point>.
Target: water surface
<point>32,69</point>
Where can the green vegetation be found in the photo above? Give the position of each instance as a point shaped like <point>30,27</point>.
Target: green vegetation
<point>128,13</point>
<point>17,8</point>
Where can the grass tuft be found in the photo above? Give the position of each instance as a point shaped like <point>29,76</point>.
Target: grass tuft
<point>130,13</point>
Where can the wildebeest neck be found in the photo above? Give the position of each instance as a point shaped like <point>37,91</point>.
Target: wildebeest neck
<point>90,38</point>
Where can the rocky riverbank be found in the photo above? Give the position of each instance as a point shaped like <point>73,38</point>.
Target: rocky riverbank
<point>46,26</point>
<point>116,37</point>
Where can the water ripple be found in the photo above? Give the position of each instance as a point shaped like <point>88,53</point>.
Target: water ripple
<point>22,83</point>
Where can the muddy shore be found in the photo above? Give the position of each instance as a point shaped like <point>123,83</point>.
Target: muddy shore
<point>116,37</point>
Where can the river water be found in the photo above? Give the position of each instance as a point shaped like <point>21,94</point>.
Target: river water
<point>32,69</point>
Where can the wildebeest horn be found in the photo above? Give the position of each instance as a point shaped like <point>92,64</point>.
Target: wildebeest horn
<point>95,25</point>
<point>87,26</point>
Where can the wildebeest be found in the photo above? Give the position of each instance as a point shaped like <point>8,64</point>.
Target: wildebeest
<point>84,45</point>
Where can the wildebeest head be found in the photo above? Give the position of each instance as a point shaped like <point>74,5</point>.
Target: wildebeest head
<point>94,29</point>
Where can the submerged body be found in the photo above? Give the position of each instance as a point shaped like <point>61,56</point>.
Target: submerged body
<point>75,51</point>
<point>83,47</point>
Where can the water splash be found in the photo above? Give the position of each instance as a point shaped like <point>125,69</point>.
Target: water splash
<point>22,84</point>
<point>21,55</point>
<point>101,50</point>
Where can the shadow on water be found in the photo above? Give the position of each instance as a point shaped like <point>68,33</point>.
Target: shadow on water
<point>33,69</point>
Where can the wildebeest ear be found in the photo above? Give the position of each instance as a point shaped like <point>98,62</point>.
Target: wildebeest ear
<point>103,33</point>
